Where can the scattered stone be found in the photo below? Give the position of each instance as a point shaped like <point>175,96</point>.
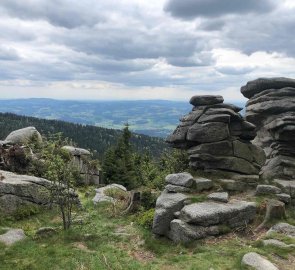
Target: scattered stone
<point>219,197</point>
<point>257,262</point>
<point>23,136</point>
<point>283,228</point>
<point>267,190</point>
<point>167,204</point>
<point>180,179</point>
<point>12,236</point>
<point>46,231</point>
<point>232,185</point>
<point>276,243</point>
<point>176,189</point>
<point>100,195</point>
<point>283,197</point>
<point>203,184</point>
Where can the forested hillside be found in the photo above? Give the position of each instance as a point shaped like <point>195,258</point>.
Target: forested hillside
<point>90,137</point>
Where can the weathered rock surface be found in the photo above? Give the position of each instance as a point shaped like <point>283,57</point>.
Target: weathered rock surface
<point>180,179</point>
<point>217,138</point>
<point>203,184</point>
<point>101,195</point>
<point>257,262</point>
<point>277,243</point>
<point>232,185</point>
<point>22,136</point>
<point>271,108</point>
<point>167,204</point>
<point>21,191</point>
<point>267,190</point>
<point>89,174</point>
<point>287,187</point>
<point>219,196</point>
<point>12,236</point>
<point>233,214</point>
<point>283,228</point>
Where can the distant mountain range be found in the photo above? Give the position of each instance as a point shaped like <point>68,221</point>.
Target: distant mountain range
<point>150,117</point>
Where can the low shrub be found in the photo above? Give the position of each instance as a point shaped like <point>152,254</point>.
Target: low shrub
<point>145,219</point>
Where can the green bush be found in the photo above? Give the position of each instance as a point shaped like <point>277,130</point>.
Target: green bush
<point>25,211</point>
<point>148,199</point>
<point>146,218</point>
<point>117,194</point>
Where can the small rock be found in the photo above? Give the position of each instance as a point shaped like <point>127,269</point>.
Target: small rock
<point>219,196</point>
<point>276,243</point>
<point>12,236</point>
<point>286,198</point>
<point>180,179</point>
<point>257,262</point>
<point>283,228</point>
<point>267,189</point>
<point>203,184</point>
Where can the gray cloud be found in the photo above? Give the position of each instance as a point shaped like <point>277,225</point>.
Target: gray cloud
<point>65,13</point>
<point>8,54</point>
<point>190,9</point>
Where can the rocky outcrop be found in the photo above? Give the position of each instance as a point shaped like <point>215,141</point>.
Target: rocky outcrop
<point>19,193</point>
<point>218,138</point>
<point>81,160</point>
<point>271,107</point>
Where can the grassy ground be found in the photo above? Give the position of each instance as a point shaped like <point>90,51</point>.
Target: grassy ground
<point>108,242</point>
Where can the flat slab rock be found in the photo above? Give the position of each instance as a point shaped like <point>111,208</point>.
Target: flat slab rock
<point>206,100</point>
<point>236,213</point>
<point>257,262</point>
<point>276,243</point>
<point>267,189</point>
<point>219,197</point>
<point>12,236</point>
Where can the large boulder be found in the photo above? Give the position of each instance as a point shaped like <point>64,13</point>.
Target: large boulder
<point>102,193</point>
<point>20,193</point>
<point>12,236</point>
<point>23,136</point>
<point>257,262</point>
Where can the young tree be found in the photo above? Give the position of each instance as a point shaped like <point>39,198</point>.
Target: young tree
<point>118,165</point>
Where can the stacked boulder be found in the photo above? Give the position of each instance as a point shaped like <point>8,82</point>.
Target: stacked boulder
<point>181,220</point>
<point>271,107</point>
<point>218,138</point>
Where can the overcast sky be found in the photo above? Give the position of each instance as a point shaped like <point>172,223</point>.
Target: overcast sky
<point>142,49</point>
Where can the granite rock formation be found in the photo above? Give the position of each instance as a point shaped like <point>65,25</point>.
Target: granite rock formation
<point>271,108</point>
<point>217,138</point>
<point>181,220</point>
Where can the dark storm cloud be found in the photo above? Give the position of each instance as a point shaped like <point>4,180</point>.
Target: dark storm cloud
<point>190,9</point>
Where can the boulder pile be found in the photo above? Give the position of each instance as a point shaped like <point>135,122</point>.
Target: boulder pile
<point>218,138</point>
<point>271,107</point>
<point>181,220</point>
